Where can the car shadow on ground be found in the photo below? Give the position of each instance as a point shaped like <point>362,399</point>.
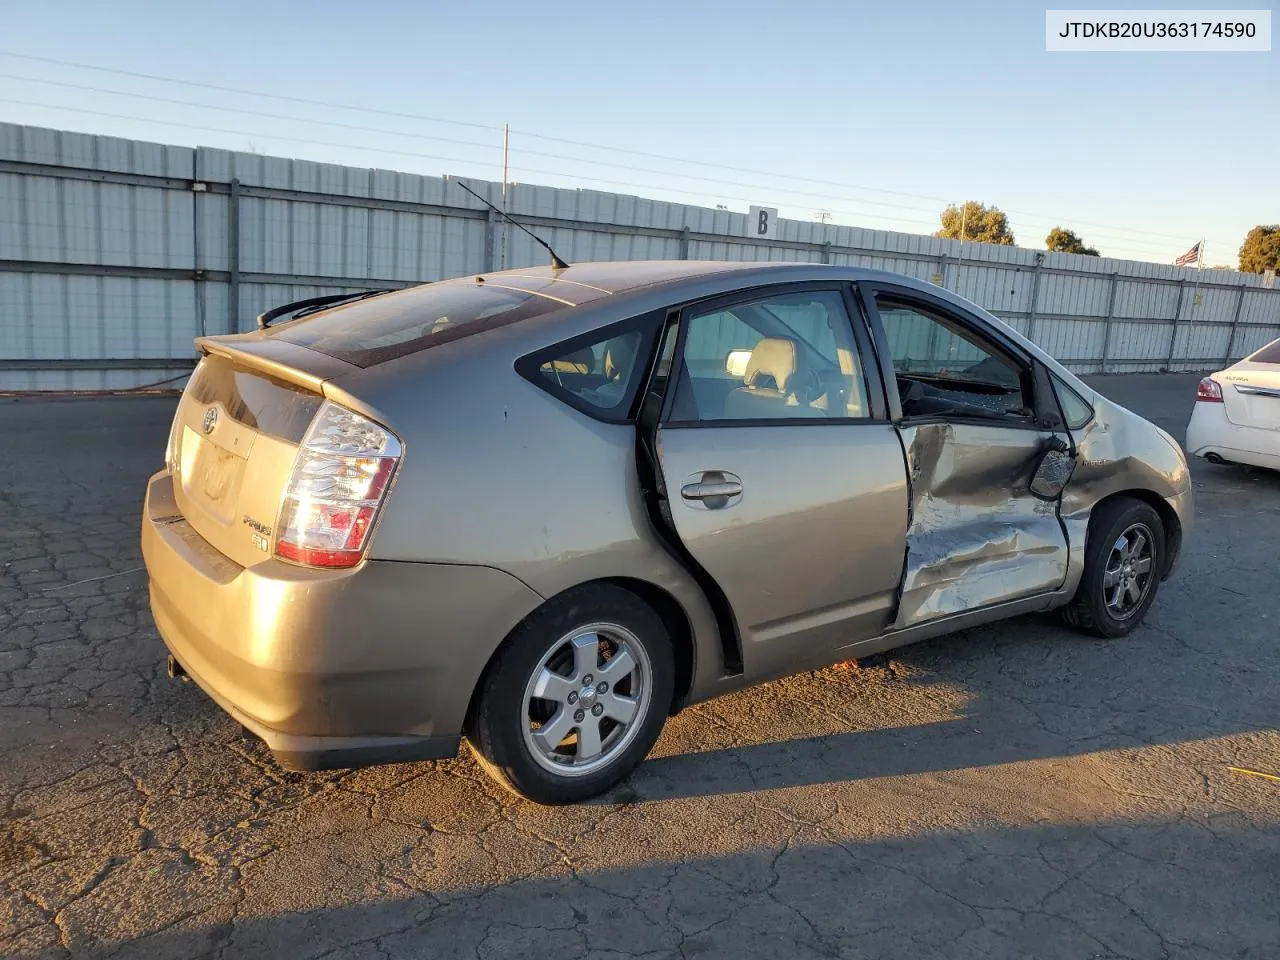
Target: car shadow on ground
<point>1051,695</point>
<point>1166,887</point>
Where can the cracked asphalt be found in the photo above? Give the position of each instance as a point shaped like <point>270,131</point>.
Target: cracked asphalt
<point>1014,791</point>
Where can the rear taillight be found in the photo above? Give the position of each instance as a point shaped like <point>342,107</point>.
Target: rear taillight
<point>340,479</point>
<point>1209,391</point>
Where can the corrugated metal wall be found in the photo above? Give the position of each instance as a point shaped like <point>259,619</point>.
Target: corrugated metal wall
<point>115,254</point>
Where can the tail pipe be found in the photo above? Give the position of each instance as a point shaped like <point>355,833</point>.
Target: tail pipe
<point>175,670</point>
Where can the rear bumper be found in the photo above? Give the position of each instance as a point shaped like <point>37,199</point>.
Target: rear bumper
<point>1210,432</point>
<point>331,668</point>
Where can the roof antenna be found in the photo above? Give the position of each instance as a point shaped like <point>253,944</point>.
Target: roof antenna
<point>556,262</point>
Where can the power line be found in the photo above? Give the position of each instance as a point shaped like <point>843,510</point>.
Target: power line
<point>468,143</point>
<point>705,193</point>
<point>421,117</point>
<point>407,153</point>
<point>573,159</point>
<point>848,213</point>
<point>919,196</point>
<point>248,93</point>
<point>329,143</point>
<point>250,113</point>
<point>595,146</point>
<point>386,150</point>
<point>236,133</point>
<point>720,166</point>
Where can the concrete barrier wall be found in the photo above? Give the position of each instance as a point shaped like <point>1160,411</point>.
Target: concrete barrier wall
<point>115,254</point>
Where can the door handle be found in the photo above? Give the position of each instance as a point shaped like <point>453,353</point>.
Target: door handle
<point>713,489</point>
<point>707,490</point>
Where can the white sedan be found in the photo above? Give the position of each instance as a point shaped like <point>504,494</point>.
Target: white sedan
<point>1237,414</point>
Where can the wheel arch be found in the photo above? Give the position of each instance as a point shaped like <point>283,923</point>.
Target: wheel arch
<point>1169,519</point>
<point>667,607</point>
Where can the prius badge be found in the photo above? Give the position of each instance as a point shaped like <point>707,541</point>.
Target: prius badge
<point>210,420</point>
<point>260,533</point>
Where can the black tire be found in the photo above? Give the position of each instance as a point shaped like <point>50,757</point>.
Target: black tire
<point>1088,610</point>
<point>497,733</point>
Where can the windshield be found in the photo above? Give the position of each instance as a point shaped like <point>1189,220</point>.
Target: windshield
<point>383,328</point>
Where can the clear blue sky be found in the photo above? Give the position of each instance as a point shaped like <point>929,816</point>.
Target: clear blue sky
<point>938,101</point>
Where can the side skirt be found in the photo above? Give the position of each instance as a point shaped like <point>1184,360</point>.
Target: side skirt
<point>897,638</point>
<point>951,624</point>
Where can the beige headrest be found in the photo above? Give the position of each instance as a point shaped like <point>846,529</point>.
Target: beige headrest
<point>580,361</point>
<point>772,357</point>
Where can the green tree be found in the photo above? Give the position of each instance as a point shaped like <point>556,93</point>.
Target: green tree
<point>976,221</point>
<point>1261,249</point>
<point>1062,240</point>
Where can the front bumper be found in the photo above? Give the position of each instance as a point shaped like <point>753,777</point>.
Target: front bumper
<point>331,668</point>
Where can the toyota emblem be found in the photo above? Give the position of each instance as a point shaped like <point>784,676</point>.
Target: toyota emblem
<point>210,420</point>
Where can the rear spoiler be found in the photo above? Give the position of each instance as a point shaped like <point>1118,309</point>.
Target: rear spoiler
<point>291,363</point>
<point>277,358</point>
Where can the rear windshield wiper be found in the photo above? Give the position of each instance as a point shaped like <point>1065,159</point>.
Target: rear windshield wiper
<point>301,308</point>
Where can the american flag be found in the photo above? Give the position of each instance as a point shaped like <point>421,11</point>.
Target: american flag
<point>1190,257</point>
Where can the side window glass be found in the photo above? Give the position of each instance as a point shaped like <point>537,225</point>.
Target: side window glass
<point>943,369</point>
<point>788,356</point>
<point>599,374</point>
<point>1074,407</point>
<point>719,345</point>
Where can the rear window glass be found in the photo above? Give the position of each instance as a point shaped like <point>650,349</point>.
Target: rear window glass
<point>600,375</point>
<point>1268,354</point>
<point>258,401</point>
<point>600,372</point>
<point>394,325</point>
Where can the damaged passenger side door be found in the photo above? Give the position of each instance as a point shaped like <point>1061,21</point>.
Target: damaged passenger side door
<point>778,472</point>
<point>978,434</point>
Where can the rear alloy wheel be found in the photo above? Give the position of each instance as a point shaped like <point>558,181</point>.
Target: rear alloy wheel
<point>1123,563</point>
<point>584,699</point>
<point>576,697</point>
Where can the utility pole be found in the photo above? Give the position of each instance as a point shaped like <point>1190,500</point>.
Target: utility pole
<point>964,215</point>
<point>506,151</point>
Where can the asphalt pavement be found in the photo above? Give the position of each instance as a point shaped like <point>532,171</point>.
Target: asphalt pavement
<point>1014,791</point>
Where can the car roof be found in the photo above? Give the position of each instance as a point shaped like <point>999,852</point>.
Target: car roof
<point>583,282</point>
<point>554,296</point>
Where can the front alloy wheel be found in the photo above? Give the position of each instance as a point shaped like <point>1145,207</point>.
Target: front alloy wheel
<point>1124,559</point>
<point>1129,572</point>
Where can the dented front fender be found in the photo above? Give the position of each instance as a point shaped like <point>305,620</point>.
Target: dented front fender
<point>1119,452</point>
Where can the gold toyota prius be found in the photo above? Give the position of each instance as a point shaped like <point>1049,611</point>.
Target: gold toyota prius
<point>547,508</point>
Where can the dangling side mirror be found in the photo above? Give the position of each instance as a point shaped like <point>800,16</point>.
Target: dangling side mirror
<point>1054,470</point>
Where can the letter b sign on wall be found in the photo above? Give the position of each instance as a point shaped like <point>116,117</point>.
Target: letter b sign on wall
<point>762,223</point>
